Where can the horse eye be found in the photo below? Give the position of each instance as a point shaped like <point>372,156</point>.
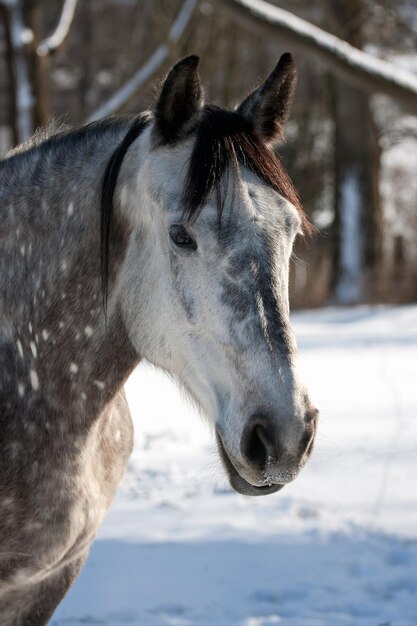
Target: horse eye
<point>181,238</point>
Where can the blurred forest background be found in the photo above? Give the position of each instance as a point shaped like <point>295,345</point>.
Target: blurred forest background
<point>351,149</point>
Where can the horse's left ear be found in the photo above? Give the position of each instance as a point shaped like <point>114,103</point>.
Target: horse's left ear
<point>180,102</point>
<point>267,108</point>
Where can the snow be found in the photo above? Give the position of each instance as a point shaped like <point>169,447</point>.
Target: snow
<point>338,547</point>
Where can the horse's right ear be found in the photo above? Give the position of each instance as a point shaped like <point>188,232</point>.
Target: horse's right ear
<point>268,107</point>
<point>180,101</point>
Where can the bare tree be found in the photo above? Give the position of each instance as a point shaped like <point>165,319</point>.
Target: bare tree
<point>362,70</point>
<point>25,57</point>
<point>154,64</point>
<point>357,227</point>
<point>56,40</point>
<point>17,37</point>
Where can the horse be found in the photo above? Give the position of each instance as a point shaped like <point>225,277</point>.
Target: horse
<point>163,236</point>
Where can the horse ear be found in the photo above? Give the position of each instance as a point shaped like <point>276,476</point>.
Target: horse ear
<point>267,108</point>
<point>180,101</point>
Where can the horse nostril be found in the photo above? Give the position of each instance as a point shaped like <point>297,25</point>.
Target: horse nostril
<point>258,445</point>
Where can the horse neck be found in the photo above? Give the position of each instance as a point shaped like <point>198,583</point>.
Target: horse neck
<point>63,352</point>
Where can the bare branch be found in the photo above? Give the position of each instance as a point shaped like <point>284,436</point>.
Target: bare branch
<point>142,77</point>
<point>52,43</point>
<point>356,67</point>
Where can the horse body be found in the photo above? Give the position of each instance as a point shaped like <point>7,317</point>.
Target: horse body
<point>45,553</point>
<point>64,446</point>
<point>204,297</point>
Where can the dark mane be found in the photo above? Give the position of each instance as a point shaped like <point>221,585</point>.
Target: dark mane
<point>107,194</point>
<point>223,138</point>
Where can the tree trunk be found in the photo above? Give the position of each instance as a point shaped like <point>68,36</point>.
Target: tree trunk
<point>357,227</point>
<point>38,65</point>
<point>21,95</point>
<point>11,80</point>
<point>357,224</point>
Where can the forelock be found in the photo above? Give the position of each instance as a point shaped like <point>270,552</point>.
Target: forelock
<point>225,141</point>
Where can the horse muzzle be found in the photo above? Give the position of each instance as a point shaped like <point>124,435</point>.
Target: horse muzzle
<point>265,464</point>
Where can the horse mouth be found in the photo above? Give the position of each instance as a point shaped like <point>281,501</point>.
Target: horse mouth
<point>237,482</point>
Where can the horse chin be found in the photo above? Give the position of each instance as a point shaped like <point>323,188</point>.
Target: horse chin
<point>237,482</point>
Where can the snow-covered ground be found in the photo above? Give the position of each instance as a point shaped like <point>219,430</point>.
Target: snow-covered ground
<point>336,547</point>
